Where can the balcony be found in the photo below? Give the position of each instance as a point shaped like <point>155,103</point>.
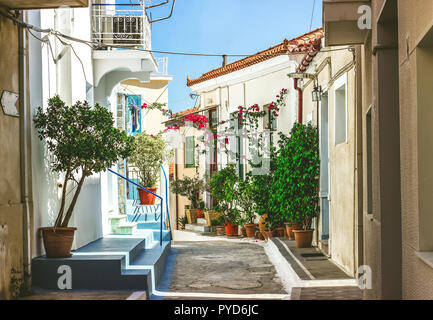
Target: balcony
<point>121,26</point>
<point>46,4</point>
<point>340,21</point>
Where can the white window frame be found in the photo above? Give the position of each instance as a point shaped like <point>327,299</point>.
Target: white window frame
<point>340,82</point>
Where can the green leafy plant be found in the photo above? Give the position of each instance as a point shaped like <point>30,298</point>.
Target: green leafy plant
<point>295,187</point>
<point>183,221</point>
<point>190,188</point>
<point>150,153</point>
<point>244,200</point>
<point>222,187</point>
<point>218,221</point>
<point>83,141</point>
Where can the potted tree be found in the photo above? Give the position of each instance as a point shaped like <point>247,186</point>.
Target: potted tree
<point>222,187</point>
<point>244,199</point>
<point>150,153</point>
<point>82,141</point>
<point>297,181</point>
<point>218,223</point>
<point>190,188</point>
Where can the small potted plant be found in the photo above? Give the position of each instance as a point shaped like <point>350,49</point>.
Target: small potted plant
<point>244,200</point>
<point>218,223</point>
<point>150,153</point>
<point>183,221</point>
<point>82,141</point>
<point>191,188</point>
<point>222,187</point>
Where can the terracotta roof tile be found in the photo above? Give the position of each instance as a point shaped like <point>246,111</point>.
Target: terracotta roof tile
<point>308,42</point>
<point>185,112</point>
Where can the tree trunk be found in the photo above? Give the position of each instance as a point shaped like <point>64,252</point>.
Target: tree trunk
<point>62,206</point>
<point>74,201</point>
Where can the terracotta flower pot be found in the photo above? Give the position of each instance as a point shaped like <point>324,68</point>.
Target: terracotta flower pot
<point>289,229</point>
<point>147,198</point>
<point>220,230</point>
<point>58,241</point>
<point>279,232</point>
<point>200,214</point>
<point>270,233</point>
<point>303,238</point>
<point>251,230</point>
<point>231,229</point>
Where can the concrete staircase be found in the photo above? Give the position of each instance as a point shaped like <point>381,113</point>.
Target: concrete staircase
<point>148,224</point>
<point>200,226</point>
<point>111,263</point>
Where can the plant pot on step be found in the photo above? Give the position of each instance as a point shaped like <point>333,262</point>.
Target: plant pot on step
<point>303,238</point>
<point>191,214</point>
<point>279,232</point>
<point>220,230</point>
<point>200,214</point>
<point>231,229</point>
<point>251,230</point>
<point>58,241</point>
<point>289,229</point>
<point>147,198</point>
<point>269,233</point>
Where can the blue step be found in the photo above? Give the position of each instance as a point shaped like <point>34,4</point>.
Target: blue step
<point>112,263</point>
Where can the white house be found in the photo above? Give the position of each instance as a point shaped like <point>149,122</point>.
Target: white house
<point>255,80</point>
<point>77,71</point>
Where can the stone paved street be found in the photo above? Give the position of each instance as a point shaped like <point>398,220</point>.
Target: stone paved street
<point>223,267</point>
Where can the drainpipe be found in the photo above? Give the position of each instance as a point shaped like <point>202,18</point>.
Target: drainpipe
<point>25,149</point>
<point>300,100</point>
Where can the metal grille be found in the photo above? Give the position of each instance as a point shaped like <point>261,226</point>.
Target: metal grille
<point>121,25</point>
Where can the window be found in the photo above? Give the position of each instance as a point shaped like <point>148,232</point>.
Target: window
<point>189,152</point>
<point>236,126</point>
<point>340,110</point>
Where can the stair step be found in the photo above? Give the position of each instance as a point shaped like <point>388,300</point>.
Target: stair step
<point>201,221</point>
<point>197,227</point>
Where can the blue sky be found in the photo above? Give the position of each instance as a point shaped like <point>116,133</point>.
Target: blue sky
<point>226,27</point>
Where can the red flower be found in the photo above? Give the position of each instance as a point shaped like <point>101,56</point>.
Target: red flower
<point>226,140</point>
<point>144,105</point>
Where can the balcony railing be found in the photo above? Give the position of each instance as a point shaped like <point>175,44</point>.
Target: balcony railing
<point>162,66</point>
<point>124,25</point>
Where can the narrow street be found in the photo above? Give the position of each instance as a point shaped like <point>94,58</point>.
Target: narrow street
<point>219,270</point>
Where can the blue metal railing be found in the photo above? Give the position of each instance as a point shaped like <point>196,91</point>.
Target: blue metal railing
<point>141,187</point>
<point>166,197</point>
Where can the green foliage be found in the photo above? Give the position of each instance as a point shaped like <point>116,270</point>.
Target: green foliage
<point>218,221</point>
<point>150,153</point>
<point>82,140</point>
<point>244,199</point>
<point>295,185</point>
<point>183,221</point>
<point>190,188</point>
<point>222,188</point>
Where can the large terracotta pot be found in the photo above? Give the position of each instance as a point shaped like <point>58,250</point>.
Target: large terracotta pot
<point>289,229</point>
<point>147,198</point>
<point>58,241</point>
<point>231,229</point>
<point>251,230</point>
<point>303,238</point>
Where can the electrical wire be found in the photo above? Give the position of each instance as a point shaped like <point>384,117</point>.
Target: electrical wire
<point>312,14</point>
<point>98,45</point>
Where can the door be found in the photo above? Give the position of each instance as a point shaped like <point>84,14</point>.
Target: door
<point>324,171</point>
